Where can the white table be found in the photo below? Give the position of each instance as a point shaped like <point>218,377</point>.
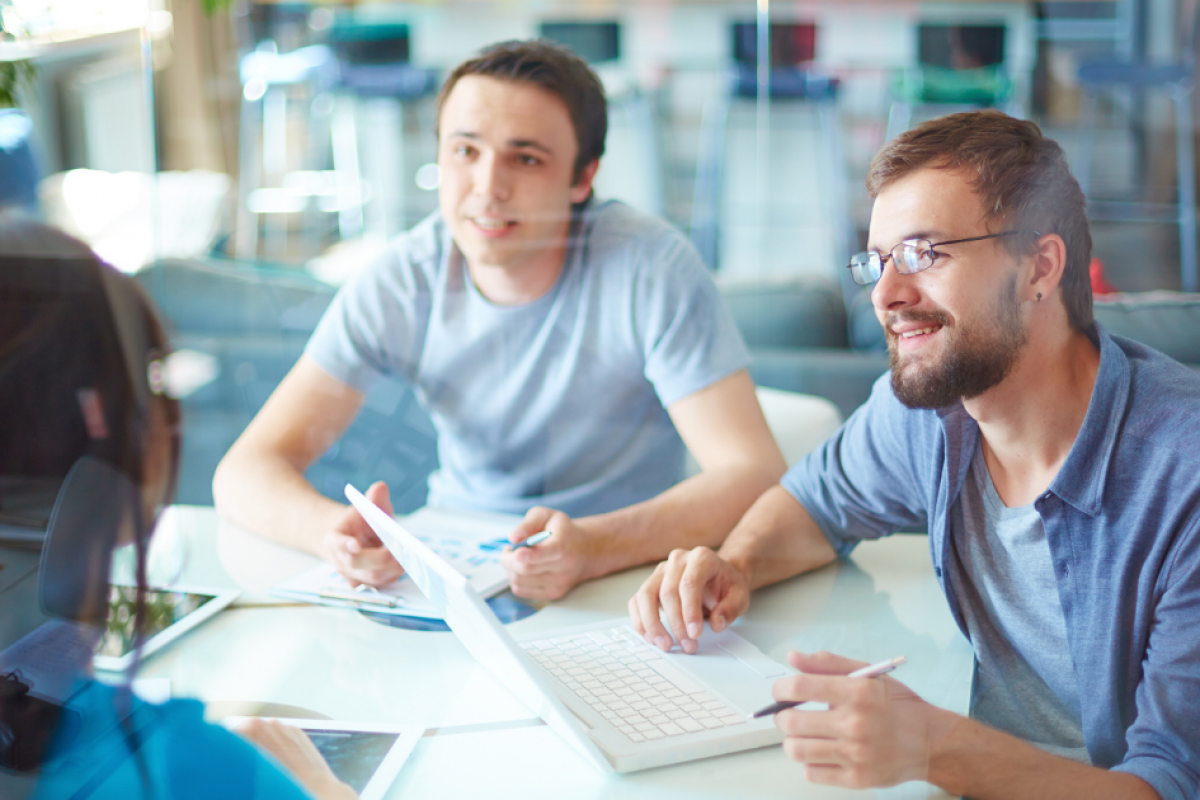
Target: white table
<point>334,662</point>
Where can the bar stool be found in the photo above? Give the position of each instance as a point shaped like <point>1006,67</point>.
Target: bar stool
<point>1176,79</point>
<point>793,81</point>
<point>267,184</point>
<point>960,67</point>
<point>375,81</point>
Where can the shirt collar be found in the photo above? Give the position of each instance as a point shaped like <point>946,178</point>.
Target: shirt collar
<point>1080,480</point>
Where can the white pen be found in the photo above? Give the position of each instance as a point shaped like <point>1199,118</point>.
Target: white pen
<point>873,671</point>
<point>536,539</point>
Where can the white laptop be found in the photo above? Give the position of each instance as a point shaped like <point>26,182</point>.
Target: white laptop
<point>623,704</point>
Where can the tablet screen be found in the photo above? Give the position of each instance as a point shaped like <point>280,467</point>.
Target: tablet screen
<point>163,609</point>
<point>353,755</point>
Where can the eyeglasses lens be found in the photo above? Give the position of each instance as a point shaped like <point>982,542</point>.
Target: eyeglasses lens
<point>912,256</point>
<point>865,268</point>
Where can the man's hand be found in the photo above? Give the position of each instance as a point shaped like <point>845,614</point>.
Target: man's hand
<point>687,587</point>
<point>877,732</point>
<point>298,754</point>
<point>352,547</point>
<point>549,570</point>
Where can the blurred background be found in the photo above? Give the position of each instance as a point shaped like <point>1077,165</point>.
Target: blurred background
<point>245,158</point>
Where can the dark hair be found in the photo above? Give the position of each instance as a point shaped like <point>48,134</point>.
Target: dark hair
<point>555,69</point>
<point>1021,177</point>
<point>78,343</point>
<point>60,337</point>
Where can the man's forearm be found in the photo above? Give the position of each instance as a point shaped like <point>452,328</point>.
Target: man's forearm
<point>969,758</point>
<point>269,496</point>
<point>776,539</point>
<point>701,510</point>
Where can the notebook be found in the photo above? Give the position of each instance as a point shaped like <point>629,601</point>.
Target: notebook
<point>555,675</point>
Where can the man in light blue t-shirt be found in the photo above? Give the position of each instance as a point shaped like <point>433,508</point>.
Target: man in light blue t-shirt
<point>566,349</point>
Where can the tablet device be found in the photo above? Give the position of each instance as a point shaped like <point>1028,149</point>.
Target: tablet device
<point>170,613</point>
<point>366,755</point>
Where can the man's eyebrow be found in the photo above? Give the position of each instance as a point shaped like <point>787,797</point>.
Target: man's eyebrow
<point>530,144</point>
<point>928,235</point>
<point>519,144</point>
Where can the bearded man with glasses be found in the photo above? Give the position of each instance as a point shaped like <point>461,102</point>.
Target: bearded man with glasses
<point>1056,468</point>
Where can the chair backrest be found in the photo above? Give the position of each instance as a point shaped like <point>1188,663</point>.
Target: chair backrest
<point>799,422</point>
<point>595,41</point>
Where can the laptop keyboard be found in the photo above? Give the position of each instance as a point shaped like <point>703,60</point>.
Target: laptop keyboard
<point>630,684</point>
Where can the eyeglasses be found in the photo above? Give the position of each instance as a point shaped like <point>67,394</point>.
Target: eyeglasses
<point>911,255</point>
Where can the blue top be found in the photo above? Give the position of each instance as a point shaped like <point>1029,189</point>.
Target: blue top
<point>1122,520</point>
<point>561,401</point>
<point>127,749</point>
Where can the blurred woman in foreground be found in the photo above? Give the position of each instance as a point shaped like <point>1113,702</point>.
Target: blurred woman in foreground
<point>82,401</point>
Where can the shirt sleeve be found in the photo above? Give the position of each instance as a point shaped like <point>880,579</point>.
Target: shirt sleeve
<point>1164,740</point>
<point>375,324</point>
<point>687,333</point>
<point>866,480</point>
<point>191,748</point>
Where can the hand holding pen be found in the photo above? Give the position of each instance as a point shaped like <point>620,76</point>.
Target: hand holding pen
<point>873,671</point>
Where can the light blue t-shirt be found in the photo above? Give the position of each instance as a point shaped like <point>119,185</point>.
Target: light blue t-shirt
<point>1002,573</point>
<point>561,401</point>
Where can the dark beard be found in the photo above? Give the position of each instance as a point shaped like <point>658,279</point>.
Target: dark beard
<point>980,356</point>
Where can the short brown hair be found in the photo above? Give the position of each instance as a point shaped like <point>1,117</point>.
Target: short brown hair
<point>1021,177</point>
<point>557,70</point>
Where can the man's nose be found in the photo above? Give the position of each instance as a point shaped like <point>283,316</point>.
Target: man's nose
<point>491,178</point>
<point>893,290</point>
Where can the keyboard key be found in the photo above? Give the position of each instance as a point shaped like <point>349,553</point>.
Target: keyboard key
<point>691,708</point>
<point>689,725</point>
<point>642,727</point>
<point>673,693</point>
<point>700,696</point>
<point>636,737</point>
<point>710,722</point>
<point>657,719</point>
<point>674,714</point>
<point>676,677</point>
<point>670,729</point>
<point>640,705</point>
<point>654,734</point>
<point>732,719</point>
<point>600,637</point>
<point>625,729</point>
<point>591,684</point>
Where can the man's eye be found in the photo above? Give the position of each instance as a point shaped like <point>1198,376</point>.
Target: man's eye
<point>464,150</point>
<point>526,160</point>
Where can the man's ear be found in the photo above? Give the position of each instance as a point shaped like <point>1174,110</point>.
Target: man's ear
<point>1049,261</point>
<point>583,187</point>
